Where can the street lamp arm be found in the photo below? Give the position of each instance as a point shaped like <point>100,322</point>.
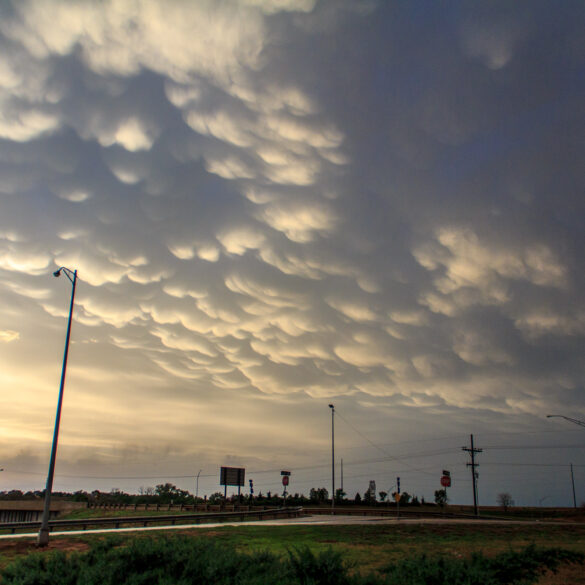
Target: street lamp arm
<point>70,274</point>
<point>573,420</point>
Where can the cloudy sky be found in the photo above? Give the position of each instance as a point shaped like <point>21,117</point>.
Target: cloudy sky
<point>274,205</point>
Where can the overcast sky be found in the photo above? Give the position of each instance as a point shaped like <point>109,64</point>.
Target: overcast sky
<point>274,205</point>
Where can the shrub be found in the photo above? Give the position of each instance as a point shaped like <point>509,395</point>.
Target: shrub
<point>326,568</point>
<point>184,560</point>
<point>508,568</point>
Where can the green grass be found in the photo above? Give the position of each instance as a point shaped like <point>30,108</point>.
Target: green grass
<point>91,513</point>
<point>369,547</point>
<point>189,560</point>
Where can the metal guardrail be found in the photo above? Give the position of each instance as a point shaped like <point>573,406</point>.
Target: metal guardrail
<point>166,519</point>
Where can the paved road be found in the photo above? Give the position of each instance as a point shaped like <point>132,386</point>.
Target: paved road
<point>306,520</point>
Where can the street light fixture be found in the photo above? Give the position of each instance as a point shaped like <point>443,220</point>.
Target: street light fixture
<point>573,420</point>
<point>43,537</point>
<point>332,458</point>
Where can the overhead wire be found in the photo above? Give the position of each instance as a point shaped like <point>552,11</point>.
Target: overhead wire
<point>388,455</point>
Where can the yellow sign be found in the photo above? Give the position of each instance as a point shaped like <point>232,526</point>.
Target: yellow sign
<point>397,497</point>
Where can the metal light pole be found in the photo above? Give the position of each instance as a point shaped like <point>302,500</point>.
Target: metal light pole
<point>197,485</point>
<point>581,424</point>
<point>332,457</point>
<point>573,484</point>
<point>43,537</point>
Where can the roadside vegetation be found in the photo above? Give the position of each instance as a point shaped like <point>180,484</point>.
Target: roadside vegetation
<point>372,549</point>
<point>188,560</point>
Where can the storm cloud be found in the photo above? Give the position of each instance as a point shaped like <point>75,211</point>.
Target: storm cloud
<point>276,204</point>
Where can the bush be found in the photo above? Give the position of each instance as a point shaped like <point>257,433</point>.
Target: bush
<point>326,568</point>
<point>184,560</point>
<point>508,568</point>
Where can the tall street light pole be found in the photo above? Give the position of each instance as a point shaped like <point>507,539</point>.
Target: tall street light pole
<point>197,486</point>
<point>332,457</point>
<point>43,537</point>
<point>581,424</point>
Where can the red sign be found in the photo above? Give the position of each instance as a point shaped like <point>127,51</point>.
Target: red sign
<point>285,480</point>
<point>446,481</point>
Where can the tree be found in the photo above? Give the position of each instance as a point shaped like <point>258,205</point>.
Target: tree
<point>339,495</point>
<point>441,497</point>
<point>216,498</point>
<point>170,493</point>
<point>382,496</point>
<point>505,500</point>
<point>358,498</point>
<point>318,495</point>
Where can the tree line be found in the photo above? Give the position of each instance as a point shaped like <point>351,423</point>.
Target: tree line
<point>168,493</point>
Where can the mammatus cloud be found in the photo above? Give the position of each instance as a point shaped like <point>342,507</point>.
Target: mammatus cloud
<point>480,274</point>
<point>273,205</point>
<point>7,336</point>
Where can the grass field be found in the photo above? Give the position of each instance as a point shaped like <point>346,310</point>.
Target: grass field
<point>367,547</point>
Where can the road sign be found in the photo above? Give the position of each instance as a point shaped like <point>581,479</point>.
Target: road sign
<point>446,481</point>
<point>397,497</point>
<point>285,480</point>
<point>447,473</point>
<point>232,476</point>
<point>285,473</point>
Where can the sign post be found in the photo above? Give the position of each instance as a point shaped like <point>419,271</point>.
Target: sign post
<point>446,481</point>
<point>285,481</point>
<point>398,498</point>
<point>232,476</point>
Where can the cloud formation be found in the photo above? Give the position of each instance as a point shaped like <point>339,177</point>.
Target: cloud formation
<point>281,203</point>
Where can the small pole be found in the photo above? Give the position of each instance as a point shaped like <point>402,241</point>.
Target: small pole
<point>332,407</point>
<point>398,498</point>
<point>573,482</point>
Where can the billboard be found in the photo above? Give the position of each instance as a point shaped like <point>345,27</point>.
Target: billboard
<point>232,476</point>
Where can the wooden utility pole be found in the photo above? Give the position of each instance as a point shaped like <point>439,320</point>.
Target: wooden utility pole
<point>472,451</point>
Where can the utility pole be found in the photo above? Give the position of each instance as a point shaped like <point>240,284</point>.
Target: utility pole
<point>472,451</point>
<point>342,476</point>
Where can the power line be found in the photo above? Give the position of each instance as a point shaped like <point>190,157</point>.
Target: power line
<point>391,457</point>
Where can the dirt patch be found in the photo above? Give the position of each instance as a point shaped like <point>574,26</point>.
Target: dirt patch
<point>566,575</point>
<point>16,547</point>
